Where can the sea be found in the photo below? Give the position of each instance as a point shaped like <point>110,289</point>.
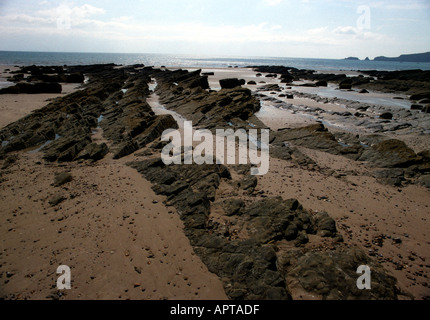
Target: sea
<point>21,58</point>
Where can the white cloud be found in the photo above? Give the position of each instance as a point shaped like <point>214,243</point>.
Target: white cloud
<point>346,30</point>
<point>401,5</point>
<point>88,24</point>
<point>77,14</point>
<point>358,33</point>
<point>127,28</point>
<point>25,18</point>
<point>272,2</point>
<point>83,11</point>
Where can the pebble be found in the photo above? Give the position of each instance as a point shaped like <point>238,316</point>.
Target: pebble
<point>397,240</point>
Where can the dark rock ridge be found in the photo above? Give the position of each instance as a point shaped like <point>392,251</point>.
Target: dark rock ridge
<point>321,272</point>
<point>185,92</point>
<point>377,151</point>
<point>114,99</point>
<point>231,83</point>
<point>33,88</point>
<point>407,81</point>
<point>290,74</point>
<point>250,267</point>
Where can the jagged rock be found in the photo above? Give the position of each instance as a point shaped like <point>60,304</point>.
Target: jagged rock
<point>30,88</point>
<point>424,181</point>
<point>60,77</point>
<point>386,116</point>
<point>124,149</point>
<point>416,107</point>
<point>393,176</point>
<point>231,83</point>
<point>9,161</point>
<point>333,275</point>
<point>346,85</point>
<point>316,137</point>
<point>231,107</point>
<point>66,148</point>
<point>420,96</point>
<point>301,159</point>
<point>75,78</point>
<point>280,152</point>
<point>233,206</point>
<point>38,70</point>
<point>249,269</point>
<point>62,178</point>
<point>276,219</point>
<point>390,153</point>
<point>309,85</point>
<point>270,87</point>
<point>94,152</point>
<point>55,201</point>
<point>321,83</point>
<point>325,225</point>
<point>160,124</point>
<point>249,183</point>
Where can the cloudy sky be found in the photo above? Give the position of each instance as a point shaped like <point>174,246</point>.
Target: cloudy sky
<point>274,28</point>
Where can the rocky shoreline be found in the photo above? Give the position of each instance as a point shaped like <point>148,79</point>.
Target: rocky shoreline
<point>260,246</point>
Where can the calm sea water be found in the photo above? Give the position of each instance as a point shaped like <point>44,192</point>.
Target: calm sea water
<point>58,58</point>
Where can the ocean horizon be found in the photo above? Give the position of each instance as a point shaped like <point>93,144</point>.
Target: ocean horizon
<point>25,58</point>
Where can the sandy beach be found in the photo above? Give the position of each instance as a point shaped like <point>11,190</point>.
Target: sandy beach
<point>112,230</point>
<point>122,241</point>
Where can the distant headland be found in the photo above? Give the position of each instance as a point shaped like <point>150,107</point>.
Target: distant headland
<point>416,57</point>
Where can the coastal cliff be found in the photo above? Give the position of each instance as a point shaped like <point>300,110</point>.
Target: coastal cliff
<point>417,57</point>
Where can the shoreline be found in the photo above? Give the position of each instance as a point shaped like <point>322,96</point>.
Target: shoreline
<point>149,234</point>
<point>189,60</point>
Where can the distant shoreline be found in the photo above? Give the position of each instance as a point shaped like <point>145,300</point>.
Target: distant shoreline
<point>21,58</point>
<point>415,58</point>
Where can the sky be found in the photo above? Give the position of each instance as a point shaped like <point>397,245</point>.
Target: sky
<point>264,28</point>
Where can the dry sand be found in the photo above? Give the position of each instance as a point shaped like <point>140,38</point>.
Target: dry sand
<point>114,233</point>
<point>112,230</point>
<point>121,242</point>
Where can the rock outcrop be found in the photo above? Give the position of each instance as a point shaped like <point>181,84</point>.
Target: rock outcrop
<point>33,88</point>
<point>115,100</point>
<point>375,150</point>
<point>229,107</point>
<point>253,267</point>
